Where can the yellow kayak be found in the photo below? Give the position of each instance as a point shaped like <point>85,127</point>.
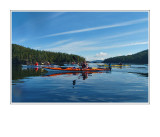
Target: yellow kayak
<point>113,65</point>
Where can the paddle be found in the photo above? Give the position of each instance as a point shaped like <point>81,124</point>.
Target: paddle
<point>75,59</point>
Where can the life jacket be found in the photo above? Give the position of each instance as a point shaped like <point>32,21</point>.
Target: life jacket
<point>83,65</point>
<point>36,64</point>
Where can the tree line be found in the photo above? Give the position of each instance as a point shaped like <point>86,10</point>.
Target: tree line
<point>138,58</point>
<point>28,56</point>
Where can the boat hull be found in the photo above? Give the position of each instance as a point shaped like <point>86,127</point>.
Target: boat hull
<point>75,69</point>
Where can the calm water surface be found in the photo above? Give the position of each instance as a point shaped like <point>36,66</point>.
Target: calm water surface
<point>122,84</point>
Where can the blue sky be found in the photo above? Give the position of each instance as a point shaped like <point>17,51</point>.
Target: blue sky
<point>93,35</point>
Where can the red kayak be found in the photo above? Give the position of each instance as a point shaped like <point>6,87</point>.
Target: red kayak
<point>77,69</point>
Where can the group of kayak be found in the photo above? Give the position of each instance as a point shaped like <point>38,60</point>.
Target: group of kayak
<point>84,67</point>
<point>81,68</point>
<point>77,69</point>
<point>116,65</point>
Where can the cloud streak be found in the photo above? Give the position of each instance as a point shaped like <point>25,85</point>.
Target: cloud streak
<point>126,45</point>
<point>123,34</point>
<point>98,28</point>
<point>82,46</point>
<point>101,54</point>
<point>72,46</point>
<point>55,15</point>
<point>115,46</point>
<point>20,41</point>
<point>58,43</point>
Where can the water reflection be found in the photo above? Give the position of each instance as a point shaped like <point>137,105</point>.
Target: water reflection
<point>36,69</point>
<point>80,75</point>
<point>120,85</point>
<point>20,73</point>
<point>141,74</point>
<point>118,67</point>
<point>83,75</point>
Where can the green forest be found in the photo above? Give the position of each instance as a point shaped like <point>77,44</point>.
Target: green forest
<point>28,56</point>
<point>138,58</point>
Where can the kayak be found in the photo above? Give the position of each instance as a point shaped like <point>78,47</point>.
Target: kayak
<point>70,73</point>
<point>113,65</point>
<point>77,69</point>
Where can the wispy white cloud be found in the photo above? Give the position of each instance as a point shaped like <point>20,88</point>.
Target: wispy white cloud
<point>127,45</point>
<point>98,28</point>
<point>103,55</point>
<point>79,46</point>
<point>123,34</point>
<point>100,56</point>
<point>20,41</point>
<point>73,46</point>
<point>58,43</point>
<point>55,15</point>
<point>70,45</point>
<point>115,46</point>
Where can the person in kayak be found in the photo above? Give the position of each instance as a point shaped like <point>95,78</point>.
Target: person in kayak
<point>120,63</point>
<point>84,65</point>
<point>36,64</point>
<point>110,66</point>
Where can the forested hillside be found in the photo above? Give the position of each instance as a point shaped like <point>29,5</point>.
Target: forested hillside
<point>138,58</point>
<point>23,55</point>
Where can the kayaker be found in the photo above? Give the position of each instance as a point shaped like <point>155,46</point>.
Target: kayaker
<point>84,65</point>
<point>120,63</point>
<point>48,63</point>
<point>110,66</point>
<point>36,64</point>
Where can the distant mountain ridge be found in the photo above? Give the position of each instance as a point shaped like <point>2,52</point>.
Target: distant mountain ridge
<point>138,58</point>
<point>96,61</point>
